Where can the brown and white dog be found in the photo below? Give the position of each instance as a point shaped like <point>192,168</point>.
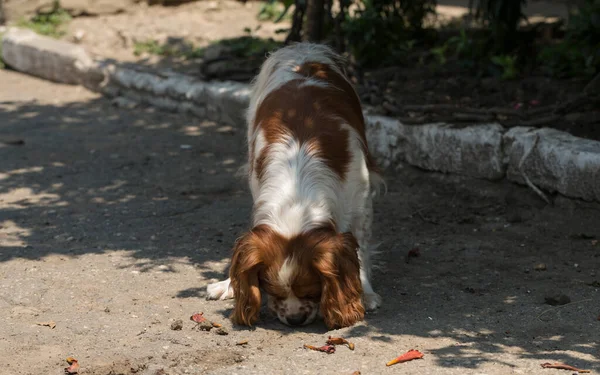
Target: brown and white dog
<point>312,181</point>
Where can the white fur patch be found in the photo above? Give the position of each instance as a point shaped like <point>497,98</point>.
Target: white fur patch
<point>286,273</point>
<point>298,191</point>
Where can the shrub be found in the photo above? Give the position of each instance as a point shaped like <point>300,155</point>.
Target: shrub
<point>384,27</point>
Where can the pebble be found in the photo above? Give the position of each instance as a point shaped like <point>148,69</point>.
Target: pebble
<point>540,267</point>
<point>204,326</point>
<point>177,325</point>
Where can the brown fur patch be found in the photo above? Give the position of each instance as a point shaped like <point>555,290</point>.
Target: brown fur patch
<point>327,272</point>
<point>313,114</point>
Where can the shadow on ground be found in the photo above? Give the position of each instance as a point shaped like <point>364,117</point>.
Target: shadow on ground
<point>91,178</point>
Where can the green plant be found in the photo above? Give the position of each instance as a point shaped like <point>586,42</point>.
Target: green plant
<point>379,29</point>
<point>272,10</point>
<point>566,59</point>
<point>461,43</point>
<point>579,53</point>
<point>246,46</point>
<point>171,48</point>
<point>584,23</point>
<point>49,24</point>
<point>150,46</point>
<point>508,65</point>
<point>439,53</point>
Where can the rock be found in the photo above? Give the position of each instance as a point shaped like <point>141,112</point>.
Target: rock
<point>95,7</point>
<point>215,52</point>
<point>474,151</point>
<point>557,299</point>
<point>45,57</point>
<point>221,331</point>
<point>123,102</point>
<point>177,325</point>
<point>78,36</point>
<point>204,326</point>
<point>556,161</point>
<point>540,267</point>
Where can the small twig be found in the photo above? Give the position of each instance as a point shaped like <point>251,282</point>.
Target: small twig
<point>540,110</point>
<point>12,142</point>
<point>409,216</point>
<point>435,108</point>
<point>541,121</point>
<point>391,108</point>
<point>561,306</point>
<point>430,108</point>
<point>472,117</point>
<point>577,102</point>
<point>524,175</point>
<point>427,220</point>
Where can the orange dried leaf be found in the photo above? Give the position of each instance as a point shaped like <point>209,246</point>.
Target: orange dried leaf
<point>245,342</point>
<point>408,356</point>
<point>562,366</point>
<point>216,325</point>
<point>198,318</point>
<point>74,366</point>
<point>340,341</point>
<point>329,349</point>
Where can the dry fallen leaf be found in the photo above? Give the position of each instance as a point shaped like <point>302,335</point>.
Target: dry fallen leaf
<point>245,342</point>
<point>74,366</point>
<point>340,341</point>
<point>50,324</point>
<point>198,318</point>
<point>408,356</point>
<point>329,349</point>
<point>562,366</point>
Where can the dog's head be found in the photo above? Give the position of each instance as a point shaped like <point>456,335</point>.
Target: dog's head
<point>318,269</point>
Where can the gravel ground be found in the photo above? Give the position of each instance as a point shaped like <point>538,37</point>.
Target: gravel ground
<point>113,221</point>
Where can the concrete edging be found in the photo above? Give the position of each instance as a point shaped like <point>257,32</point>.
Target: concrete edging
<point>553,160</point>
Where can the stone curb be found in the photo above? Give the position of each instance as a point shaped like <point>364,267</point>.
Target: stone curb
<point>44,57</point>
<point>553,160</point>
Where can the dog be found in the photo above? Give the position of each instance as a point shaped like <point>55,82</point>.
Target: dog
<point>312,181</point>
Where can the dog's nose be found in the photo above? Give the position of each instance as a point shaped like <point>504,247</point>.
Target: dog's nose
<point>296,319</point>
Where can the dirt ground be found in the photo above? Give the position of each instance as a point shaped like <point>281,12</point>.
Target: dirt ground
<point>113,221</point>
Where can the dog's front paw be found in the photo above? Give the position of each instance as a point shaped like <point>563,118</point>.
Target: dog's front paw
<point>372,301</point>
<point>219,291</point>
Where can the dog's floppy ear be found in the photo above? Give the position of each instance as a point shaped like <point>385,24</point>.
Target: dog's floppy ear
<point>245,265</point>
<point>339,267</point>
<point>251,254</point>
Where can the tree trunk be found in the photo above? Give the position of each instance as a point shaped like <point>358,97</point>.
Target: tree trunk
<point>337,25</point>
<point>2,17</point>
<point>315,15</point>
<point>295,33</point>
